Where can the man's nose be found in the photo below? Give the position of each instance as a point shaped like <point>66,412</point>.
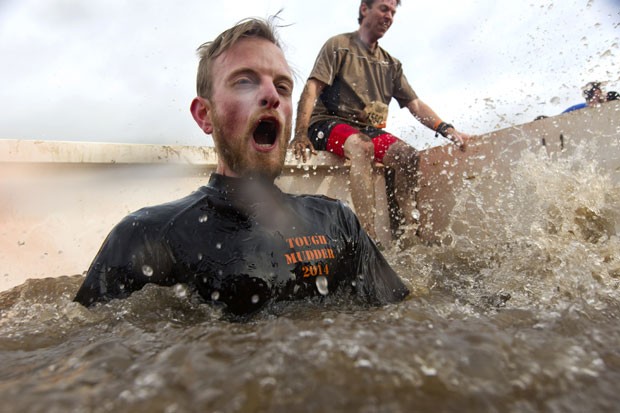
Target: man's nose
<point>270,97</point>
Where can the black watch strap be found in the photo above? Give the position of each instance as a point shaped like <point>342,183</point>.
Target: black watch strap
<point>442,129</point>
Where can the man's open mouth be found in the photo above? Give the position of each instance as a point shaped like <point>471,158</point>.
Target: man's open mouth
<point>266,132</point>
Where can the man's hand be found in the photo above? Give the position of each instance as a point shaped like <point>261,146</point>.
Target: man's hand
<point>457,138</point>
<point>302,147</point>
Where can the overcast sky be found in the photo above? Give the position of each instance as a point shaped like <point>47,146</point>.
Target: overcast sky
<point>124,70</point>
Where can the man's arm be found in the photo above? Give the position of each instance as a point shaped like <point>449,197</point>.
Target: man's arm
<point>131,256</point>
<point>427,116</point>
<point>308,98</point>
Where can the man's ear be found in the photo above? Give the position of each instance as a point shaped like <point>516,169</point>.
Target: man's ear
<point>363,9</point>
<point>201,111</point>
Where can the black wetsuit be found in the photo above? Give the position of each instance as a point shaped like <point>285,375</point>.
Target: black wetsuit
<point>243,243</point>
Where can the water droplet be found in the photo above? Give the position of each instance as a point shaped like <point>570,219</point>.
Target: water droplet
<point>199,256</point>
<point>215,295</point>
<point>147,270</point>
<point>321,284</point>
<point>218,245</point>
<point>180,291</point>
<point>429,370</point>
<point>255,298</point>
<point>203,218</point>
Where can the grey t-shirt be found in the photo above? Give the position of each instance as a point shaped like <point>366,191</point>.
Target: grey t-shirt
<point>357,78</point>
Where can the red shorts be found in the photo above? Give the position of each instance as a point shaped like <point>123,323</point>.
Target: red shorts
<point>341,132</point>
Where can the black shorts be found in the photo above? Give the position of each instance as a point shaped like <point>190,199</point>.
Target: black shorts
<point>319,132</point>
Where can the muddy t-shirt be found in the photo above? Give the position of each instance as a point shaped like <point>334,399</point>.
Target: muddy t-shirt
<point>241,244</point>
<point>357,78</point>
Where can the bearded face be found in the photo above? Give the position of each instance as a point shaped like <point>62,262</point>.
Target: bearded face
<point>258,149</point>
<point>250,111</point>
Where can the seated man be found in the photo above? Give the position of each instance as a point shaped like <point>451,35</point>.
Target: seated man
<point>593,95</point>
<point>240,241</point>
<point>343,109</point>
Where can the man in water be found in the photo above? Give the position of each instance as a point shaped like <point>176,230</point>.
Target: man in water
<point>343,109</point>
<point>240,241</point>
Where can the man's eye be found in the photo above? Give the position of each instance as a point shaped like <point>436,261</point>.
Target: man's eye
<point>284,88</point>
<point>243,81</point>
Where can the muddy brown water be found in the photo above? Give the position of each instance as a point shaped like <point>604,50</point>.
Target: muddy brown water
<point>524,318</point>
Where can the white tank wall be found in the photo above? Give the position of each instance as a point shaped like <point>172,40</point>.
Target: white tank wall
<point>489,160</point>
<point>58,200</point>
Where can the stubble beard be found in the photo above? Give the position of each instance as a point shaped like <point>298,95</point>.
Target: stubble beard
<point>233,152</point>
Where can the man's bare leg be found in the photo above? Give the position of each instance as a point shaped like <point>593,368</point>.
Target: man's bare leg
<point>359,149</point>
<point>403,159</point>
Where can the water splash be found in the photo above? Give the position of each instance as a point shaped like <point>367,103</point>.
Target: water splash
<point>147,270</point>
<point>322,284</point>
<point>549,238</point>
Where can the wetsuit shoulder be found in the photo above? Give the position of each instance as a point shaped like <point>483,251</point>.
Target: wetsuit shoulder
<point>135,253</point>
